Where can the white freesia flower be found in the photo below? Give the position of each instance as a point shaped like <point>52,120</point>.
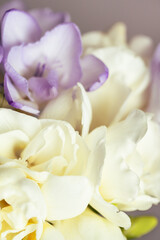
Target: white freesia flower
<point>54,147</point>
<point>127,176</point>
<point>125,89</point>
<point>128,84</point>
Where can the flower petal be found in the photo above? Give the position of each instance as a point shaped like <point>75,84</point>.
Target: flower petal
<point>154,101</point>
<point>72,106</point>
<point>109,211</point>
<point>1,53</point>
<point>50,19</point>
<point>66,196</point>
<point>89,226</point>
<point>95,73</point>
<point>118,180</point>
<point>50,232</point>
<point>11,120</point>
<point>59,55</point>
<point>15,100</point>
<point>96,141</point>
<point>12,143</point>
<point>142,45</point>
<point>107,101</point>
<point>44,88</point>
<point>18,27</point>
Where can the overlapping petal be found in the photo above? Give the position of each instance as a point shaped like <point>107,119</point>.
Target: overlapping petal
<point>18,27</point>
<point>66,196</point>
<point>72,106</point>
<point>94,79</point>
<point>130,77</point>
<point>89,225</point>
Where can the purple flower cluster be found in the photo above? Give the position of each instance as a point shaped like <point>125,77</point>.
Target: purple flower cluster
<point>40,54</point>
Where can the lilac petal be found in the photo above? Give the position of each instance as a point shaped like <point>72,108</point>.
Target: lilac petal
<point>59,50</point>
<point>19,81</point>
<point>44,89</point>
<point>50,19</point>
<point>154,101</point>
<point>14,99</point>
<point>95,73</point>
<point>1,54</point>
<point>18,27</point>
<point>18,4</point>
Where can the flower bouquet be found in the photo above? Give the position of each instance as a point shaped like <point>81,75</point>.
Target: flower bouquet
<point>79,129</point>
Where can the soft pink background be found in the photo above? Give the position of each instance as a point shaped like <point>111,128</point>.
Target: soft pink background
<point>141,17</point>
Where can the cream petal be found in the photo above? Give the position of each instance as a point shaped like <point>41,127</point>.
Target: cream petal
<point>66,196</point>
<point>96,39</point>
<point>142,203</point>
<point>138,98</point>
<point>109,211</point>
<point>118,180</point>
<point>89,226</point>
<point>11,120</point>
<point>102,101</point>
<point>96,141</point>
<point>23,195</point>
<point>19,236</point>
<point>126,71</point>
<point>50,232</point>
<point>73,106</point>
<point>149,149</point>
<point>123,62</point>
<point>117,34</point>
<point>12,143</point>
<point>142,45</point>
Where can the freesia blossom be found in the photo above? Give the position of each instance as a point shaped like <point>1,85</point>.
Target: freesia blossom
<point>131,169</point>
<point>39,64</point>
<point>53,147</point>
<point>127,87</point>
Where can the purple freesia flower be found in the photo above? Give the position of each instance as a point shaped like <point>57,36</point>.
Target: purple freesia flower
<point>39,67</point>
<point>154,100</point>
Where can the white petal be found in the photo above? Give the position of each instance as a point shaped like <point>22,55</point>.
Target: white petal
<point>89,226</point>
<point>118,180</point>
<point>12,143</point>
<point>73,106</point>
<point>96,141</point>
<point>66,196</point>
<point>109,211</point>
<point>142,45</point>
<point>103,107</point>
<point>11,120</point>
<point>50,232</point>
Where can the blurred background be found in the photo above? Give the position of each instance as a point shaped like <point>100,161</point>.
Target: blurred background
<point>140,16</point>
